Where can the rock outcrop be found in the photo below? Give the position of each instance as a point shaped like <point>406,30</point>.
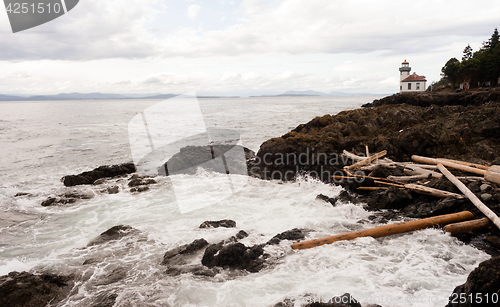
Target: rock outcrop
<point>233,159</point>
<point>427,99</point>
<point>470,133</point>
<point>482,287</point>
<point>114,233</point>
<point>311,300</point>
<point>215,224</point>
<point>105,171</point>
<point>32,290</point>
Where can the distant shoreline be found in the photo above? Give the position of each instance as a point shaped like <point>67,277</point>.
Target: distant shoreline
<point>101,96</point>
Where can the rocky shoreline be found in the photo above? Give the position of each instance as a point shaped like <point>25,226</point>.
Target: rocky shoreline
<point>460,126</point>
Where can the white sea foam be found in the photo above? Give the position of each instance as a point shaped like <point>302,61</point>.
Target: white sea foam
<point>419,269</point>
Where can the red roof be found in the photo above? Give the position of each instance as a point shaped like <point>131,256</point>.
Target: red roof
<point>414,77</point>
<point>405,62</point>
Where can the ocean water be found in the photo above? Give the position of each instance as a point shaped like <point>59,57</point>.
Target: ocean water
<point>43,141</point>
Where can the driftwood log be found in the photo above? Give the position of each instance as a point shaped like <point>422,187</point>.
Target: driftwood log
<point>473,198</point>
<point>367,160</point>
<point>468,226</point>
<point>423,189</point>
<point>388,230</point>
<point>492,174</point>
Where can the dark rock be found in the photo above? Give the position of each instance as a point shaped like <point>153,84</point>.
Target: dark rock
<point>234,256</point>
<point>344,196</point>
<point>221,223</point>
<point>384,216</point>
<point>30,290</point>
<point>190,248</point>
<point>241,234</point>
<point>345,300</point>
<point>139,189</point>
<point>138,180</point>
<point>105,300</point>
<point>497,197</point>
<point>427,99</point>
<point>113,189</point>
<point>68,197</point>
<point>92,261</point>
<point>474,187</point>
<point>293,234</point>
<point>493,240</point>
<point>486,197</point>
<point>105,171</point>
<point>392,198</point>
<point>486,188</point>
<point>483,283</point>
<point>114,233</point>
<point>403,130</point>
<point>311,300</point>
<point>199,270</point>
<point>115,276</point>
<point>236,160</point>
<point>49,201</point>
<point>325,198</point>
<point>18,194</point>
<point>347,197</point>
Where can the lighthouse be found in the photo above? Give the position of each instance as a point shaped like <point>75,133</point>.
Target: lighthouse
<point>404,71</point>
<point>410,83</point>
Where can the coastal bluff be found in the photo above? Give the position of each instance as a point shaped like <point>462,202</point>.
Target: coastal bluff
<point>459,126</point>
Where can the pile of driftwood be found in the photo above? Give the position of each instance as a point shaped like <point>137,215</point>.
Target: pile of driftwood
<point>417,176</point>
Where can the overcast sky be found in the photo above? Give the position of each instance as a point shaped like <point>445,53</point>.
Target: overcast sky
<point>245,47</point>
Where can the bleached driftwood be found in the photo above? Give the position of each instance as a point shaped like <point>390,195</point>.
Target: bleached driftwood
<point>367,160</point>
<point>492,174</point>
<point>422,189</point>
<point>473,198</point>
<point>407,178</point>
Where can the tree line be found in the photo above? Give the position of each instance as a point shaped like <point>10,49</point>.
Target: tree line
<point>475,68</point>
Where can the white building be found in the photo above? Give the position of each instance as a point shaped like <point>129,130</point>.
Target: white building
<point>410,83</point>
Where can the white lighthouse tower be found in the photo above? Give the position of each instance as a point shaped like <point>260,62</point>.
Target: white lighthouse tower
<point>404,71</point>
<point>410,83</point>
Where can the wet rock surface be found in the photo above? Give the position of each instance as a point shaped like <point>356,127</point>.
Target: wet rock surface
<point>233,159</point>
<point>440,99</point>
<point>468,133</point>
<point>114,233</point>
<point>31,290</point>
<point>311,300</point>
<point>68,197</point>
<point>482,287</point>
<point>222,223</point>
<point>234,256</point>
<point>293,235</point>
<point>105,171</point>
<point>173,255</point>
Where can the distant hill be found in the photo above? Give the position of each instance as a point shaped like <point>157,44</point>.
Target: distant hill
<point>101,96</point>
<point>315,93</point>
<point>79,96</point>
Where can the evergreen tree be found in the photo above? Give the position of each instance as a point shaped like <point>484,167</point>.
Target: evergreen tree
<point>481,66</point>
<point>467,53</point>
<point>494,39</point>
<point>450,71</point>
